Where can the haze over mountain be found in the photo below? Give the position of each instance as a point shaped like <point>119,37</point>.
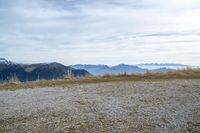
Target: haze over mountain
<point>152,66</point>
<point>129,69</point>
<point>47,71</point>
<point>30,72</point>
<point>104,69</point>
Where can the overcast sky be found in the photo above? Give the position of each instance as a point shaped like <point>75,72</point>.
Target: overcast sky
<point>100,31</point>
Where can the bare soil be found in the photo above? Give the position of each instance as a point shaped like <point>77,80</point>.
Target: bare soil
<point>126,106</point>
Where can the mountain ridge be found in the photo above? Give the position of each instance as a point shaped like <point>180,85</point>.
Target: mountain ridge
<point>117,69</point>
<point>30,72</point>
<point>54,70</point>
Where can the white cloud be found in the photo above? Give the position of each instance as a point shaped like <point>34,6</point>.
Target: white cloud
<point>101,31</point>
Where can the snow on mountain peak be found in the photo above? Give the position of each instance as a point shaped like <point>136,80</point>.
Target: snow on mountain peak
<point>4,61</point>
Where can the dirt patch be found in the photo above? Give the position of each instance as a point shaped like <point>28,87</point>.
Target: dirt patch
<point>159,106</point>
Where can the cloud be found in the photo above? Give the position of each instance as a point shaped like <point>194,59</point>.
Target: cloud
<point>100,31</point>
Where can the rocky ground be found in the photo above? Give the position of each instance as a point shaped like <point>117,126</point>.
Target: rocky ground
<point>150,106</point>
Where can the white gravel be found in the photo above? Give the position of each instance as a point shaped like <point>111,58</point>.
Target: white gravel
<point>159,106</point>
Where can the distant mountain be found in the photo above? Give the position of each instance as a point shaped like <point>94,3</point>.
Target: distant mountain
<point>162,70</point>
<point>122,68</point>
<point>104,69</point>
<point>93,69</point>
<point>151,66</point>
<point>129,69</point>
<point>31,72</point>
<point>47,71</point>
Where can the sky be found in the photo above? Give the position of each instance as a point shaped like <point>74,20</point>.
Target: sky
<point>100,31</point>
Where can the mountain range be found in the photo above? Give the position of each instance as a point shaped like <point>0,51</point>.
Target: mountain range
<point>129,69</point>
<point>30,72</point>
<point>153,66</point>
<point>54,70</point>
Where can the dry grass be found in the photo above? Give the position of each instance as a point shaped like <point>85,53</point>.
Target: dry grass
<point>178,74</point>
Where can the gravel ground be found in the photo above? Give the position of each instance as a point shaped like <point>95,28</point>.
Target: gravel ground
<point>156,106</point>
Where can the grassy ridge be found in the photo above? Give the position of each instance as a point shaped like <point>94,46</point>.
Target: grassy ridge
<point>178,74</point>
